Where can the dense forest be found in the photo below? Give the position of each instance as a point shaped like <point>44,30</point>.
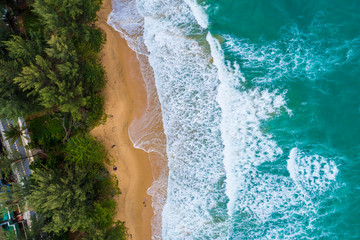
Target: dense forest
<point>52,76</point>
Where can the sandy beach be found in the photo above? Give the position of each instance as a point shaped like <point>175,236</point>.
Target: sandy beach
<point>125,99</point>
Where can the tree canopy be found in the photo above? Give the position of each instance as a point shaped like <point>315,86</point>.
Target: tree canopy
<point>14,133</point>
<point>64,196</point>
<point>51,74</point>
<point>85,151</point>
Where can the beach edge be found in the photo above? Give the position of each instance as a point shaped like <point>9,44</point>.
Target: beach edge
<point>125,99</point>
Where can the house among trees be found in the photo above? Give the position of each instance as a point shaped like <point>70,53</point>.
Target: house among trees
<point>15,138</point>
<point>14,167</point>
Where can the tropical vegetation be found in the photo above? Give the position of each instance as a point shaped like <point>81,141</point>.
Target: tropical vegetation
<point>51,74</point>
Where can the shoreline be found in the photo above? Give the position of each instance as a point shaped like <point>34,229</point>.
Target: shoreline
<point>125,100</point>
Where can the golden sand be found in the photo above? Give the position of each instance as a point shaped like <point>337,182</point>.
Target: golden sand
<point>125,99</point>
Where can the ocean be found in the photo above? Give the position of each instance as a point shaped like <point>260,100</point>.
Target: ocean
<point>260,103</point>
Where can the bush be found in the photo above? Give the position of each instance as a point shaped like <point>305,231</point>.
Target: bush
<point>95,114</point>
<point>94,76</point>
<point>46,131</point>
<point>117,232</point>
<point>104,213</point>
<point>85,152</point>
<point>107,186</point>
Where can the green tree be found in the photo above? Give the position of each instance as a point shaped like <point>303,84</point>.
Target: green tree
<point>24,49</point>
<point>14,103</point>
<point>60,13</point>
<point>16,53</point>
<point>85,151</point>
<point>103,213</point>
<point>5,166</point>
<point>64,196</point>
<point>55,78</point>
<point>117,231</point>
<point>6,159</point>
<point>14,133</point>
<point>14,194</point>
<point>35,231</point>
<point>69,18</point>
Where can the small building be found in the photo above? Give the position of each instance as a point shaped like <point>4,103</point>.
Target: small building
<point>13,220</point>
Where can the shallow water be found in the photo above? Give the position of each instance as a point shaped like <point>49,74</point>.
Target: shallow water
<point>261,113</point>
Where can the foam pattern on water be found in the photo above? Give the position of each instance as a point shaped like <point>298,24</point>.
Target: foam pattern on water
<point>126,19</point>
<point>263,205</point>
<point>312,174</point>
<point>242,111</point>
<point>297,55</point>
<point>213,119</point>
<point>187,86</point>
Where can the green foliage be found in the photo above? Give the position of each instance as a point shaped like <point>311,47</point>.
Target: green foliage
<point>91,43</point>
<point>116,232</point>
<point>13,102</point>
<point>85,151</point>
<point>13,195</point>
<point>95,111</point>
<point>67,16</point>
<point>5,166</point>
<point>46,131</point>
<point>69,199</point>
<point>7,234</point>
<point>6,159</point>
<point>55,66</point>
<point>23,50</point>
<point>60,74</point>
<point>4,36</point>
<point>16,53</point>
<point>94,76</point>
<point>14,133</point>
<point>31,21</point>
<point>107,187</point>
<point>55,82</point>
<point>5,195</point>
<point>64,196</point>
<point>103,213</point>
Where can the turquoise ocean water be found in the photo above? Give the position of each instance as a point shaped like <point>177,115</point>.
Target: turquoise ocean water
<point>310,52</point>
<point>261,108</point>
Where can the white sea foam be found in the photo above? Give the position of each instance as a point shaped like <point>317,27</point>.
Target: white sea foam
<point>216,146</point>
<point>242,111</point>
<point>266,203</point>
<point>126,19</point>
<point>199,13</point>
<point>187,86</point>
<point>293,56</point>
<point>312,174</point>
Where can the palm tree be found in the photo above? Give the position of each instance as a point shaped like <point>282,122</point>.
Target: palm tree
<point>14,133</point>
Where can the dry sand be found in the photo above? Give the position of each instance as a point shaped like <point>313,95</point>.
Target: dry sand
<point>125,99</point>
